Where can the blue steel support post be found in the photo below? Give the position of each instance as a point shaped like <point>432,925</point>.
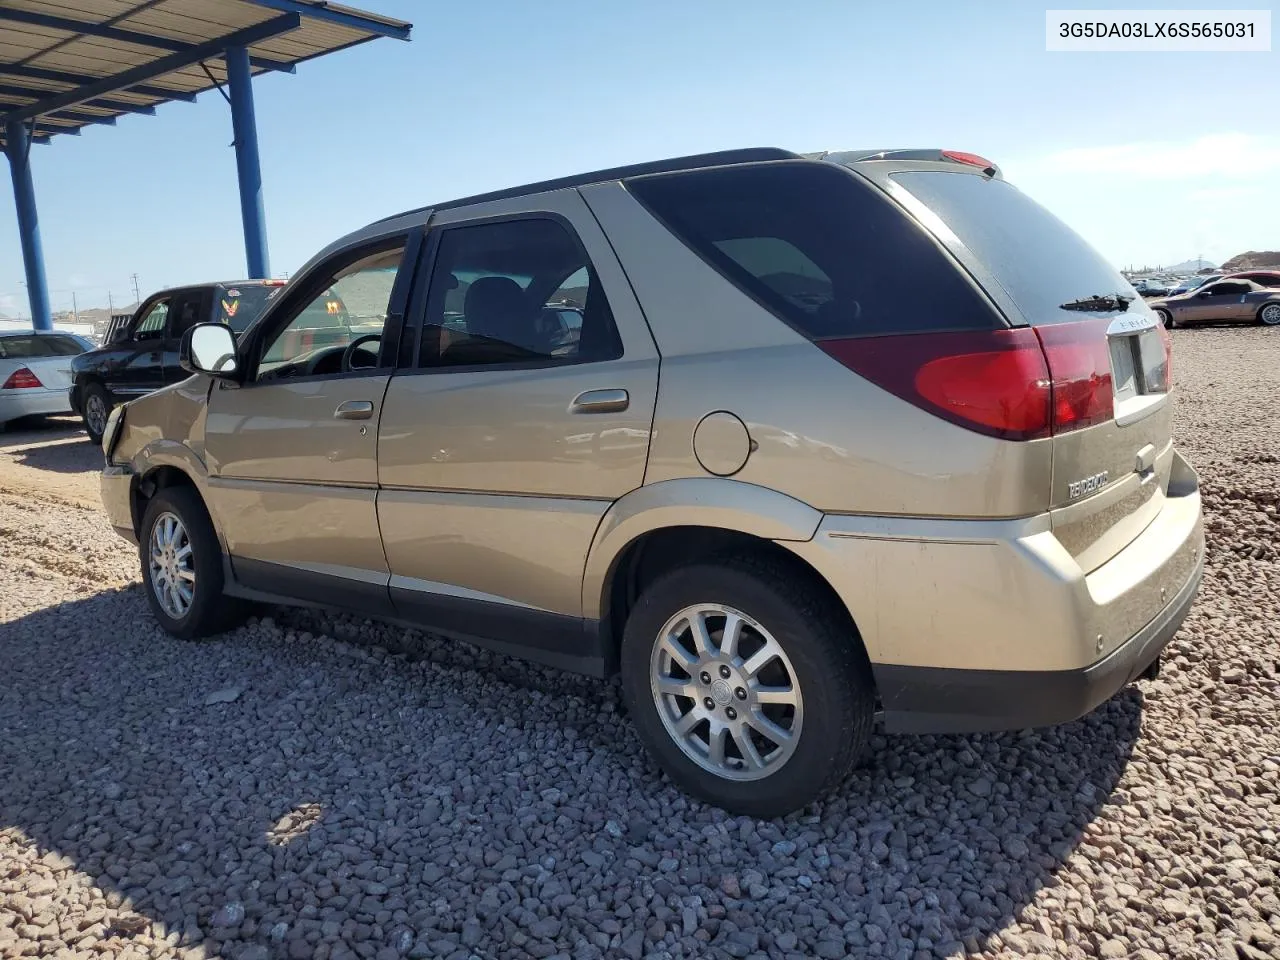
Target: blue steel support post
<point>18,147</point>
<point>240,80</point>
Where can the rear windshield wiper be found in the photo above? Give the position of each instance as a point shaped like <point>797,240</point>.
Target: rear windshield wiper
<point>1099,302</point>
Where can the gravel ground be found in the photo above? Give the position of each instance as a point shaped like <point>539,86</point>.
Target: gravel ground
<point>322,787</point>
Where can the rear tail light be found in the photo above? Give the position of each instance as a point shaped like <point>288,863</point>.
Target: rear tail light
<point>995,382</point>
<point>1018,384</point>
<point>1167,339</point>
<point>1079,358</point>
<point>21,379</point>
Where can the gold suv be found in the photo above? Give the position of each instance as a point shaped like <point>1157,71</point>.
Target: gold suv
<point>794,442</point>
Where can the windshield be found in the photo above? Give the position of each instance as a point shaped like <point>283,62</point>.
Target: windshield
<point>1039,261</point>
<point>240,305</point>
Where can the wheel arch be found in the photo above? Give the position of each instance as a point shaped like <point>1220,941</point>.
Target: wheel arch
<point>159,466</point>
<point>677,522</point>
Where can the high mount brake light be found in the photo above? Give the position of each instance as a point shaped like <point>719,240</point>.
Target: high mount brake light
<point>21,379</point>
<point>1019,384</point>
<point>959,156</point>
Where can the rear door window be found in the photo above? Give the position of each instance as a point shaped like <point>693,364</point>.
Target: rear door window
<point>515,292</point>
<point>1039,261</point>
<point>826,252</point>
<point>186,310</point>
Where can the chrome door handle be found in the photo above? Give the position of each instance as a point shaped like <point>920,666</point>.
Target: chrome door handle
<point>600,401</point>
<point>354,410</point>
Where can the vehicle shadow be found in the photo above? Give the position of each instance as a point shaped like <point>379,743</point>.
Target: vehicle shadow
<point>343,795</point>
<point>53,445</point>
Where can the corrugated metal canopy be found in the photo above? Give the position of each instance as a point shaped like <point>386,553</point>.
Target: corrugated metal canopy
<point>68,63</point>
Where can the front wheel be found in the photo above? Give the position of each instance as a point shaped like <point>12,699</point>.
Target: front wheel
<point>747,685</point>
<point>1166,318</point>
<point>96,405</point>
<point>1270,315</point>
<point>182,567</point>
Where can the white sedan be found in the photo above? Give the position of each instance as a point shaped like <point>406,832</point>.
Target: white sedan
<point>35,372</point>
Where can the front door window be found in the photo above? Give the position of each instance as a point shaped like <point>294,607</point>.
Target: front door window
<point>339,328</point>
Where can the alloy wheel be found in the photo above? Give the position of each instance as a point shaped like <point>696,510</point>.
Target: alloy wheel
<point>172,565</point>
<point>726,692</point>
<point>95,413</point>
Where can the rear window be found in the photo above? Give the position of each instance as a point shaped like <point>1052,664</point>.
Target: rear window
<point>823,250</point>
<point>239,306</point>
<point>1039,261</point>
<point>42,345</point>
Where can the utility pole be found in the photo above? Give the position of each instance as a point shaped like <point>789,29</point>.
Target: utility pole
<point>111,307</point>
<point>75,308</point>
<point>137,297</point>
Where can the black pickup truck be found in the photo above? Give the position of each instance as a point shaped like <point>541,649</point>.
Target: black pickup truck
<point>142,355</point>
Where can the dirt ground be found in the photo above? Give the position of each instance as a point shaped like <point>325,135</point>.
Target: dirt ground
<point>50,458</point>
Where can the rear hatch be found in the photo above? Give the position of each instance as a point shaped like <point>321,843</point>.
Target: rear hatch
<point>1106,354</point>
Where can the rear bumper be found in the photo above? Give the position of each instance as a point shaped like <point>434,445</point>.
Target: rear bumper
<point>940,700</point>
<point>32,403</point>
<point>977,625</point>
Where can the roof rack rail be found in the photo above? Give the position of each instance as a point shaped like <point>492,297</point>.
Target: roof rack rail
<point>693,162</point>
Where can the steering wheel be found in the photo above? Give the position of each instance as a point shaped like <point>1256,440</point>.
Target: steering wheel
<point>349,354</point>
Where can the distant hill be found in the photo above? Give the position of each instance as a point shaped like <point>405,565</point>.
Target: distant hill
<point>1253,260</point>
<point>1190,266</point>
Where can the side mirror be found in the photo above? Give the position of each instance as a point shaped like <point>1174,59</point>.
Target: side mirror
<point>209,348</point>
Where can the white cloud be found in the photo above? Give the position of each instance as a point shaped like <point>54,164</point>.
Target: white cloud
<point>1235,156</point>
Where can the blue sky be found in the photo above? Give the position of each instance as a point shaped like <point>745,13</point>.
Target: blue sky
<point>1154,157</point>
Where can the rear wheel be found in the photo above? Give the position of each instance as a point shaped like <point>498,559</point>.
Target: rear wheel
<point>96,404</point>
<point>747,686</point>
<point>1270,315</point>
<point>182,567</point>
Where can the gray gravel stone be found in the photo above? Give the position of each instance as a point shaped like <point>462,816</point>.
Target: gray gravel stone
<point>373,792</point>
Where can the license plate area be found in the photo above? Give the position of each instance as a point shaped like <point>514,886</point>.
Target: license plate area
<point>1139,366</point>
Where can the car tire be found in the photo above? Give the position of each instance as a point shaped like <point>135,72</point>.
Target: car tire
<point>1166,318</point>
<point>178,549</point>
<point>95,402</point>
<point>1269,315</point>
<point>823,671</point>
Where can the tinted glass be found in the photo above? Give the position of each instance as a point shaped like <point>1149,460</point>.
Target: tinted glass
<point>42,345</point>
<point>1039,261</point>
<point>188,310</point>
<point>819,247</point>
<point>518,291</point>
<point>1232,288</point>
<point>240,305</point>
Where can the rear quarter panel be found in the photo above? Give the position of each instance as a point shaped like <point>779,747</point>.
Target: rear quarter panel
<point>820,433</point>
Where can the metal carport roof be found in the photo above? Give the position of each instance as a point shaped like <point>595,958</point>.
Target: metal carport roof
<point>65,64</point>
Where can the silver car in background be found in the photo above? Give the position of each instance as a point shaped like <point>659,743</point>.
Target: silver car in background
<point>35,372</point>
